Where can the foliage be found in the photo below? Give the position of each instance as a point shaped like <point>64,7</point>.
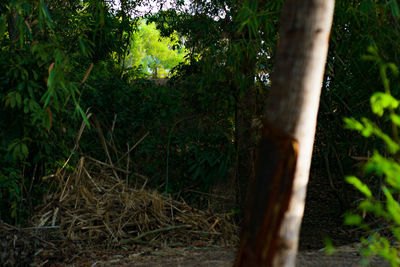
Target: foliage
<point>47,52</point>
<point>349,83</point>
<point>155,54</point>
<point>230,46</point>
<point>380,202</point>
<point>61,59</point>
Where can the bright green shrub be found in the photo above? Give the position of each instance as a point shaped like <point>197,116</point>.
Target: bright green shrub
<point>379,211</point>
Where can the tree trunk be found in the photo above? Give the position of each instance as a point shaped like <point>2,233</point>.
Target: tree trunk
<point>271,227</point>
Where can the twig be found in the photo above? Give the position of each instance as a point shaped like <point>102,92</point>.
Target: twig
<point>78,137</point>
<point>134,146</point>
<point>104,144</point>
<point>205,233</point>
<point>62,197</point>
<point>113,124</point>
<point>89,70</point>
<point>107,165</point>
<point>214,224</point>
<point>91,179</point>
<point>43,263</point>
<point>111,143</point>
<point>206,194</point>
<point>33,235</point>
<point>144,185</point>
<point>42,227</point>
<point>53,221</point>
<point>127,166</point>
<point>139,237</point>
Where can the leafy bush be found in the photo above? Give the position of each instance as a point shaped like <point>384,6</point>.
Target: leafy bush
<point>47,52</point>
<point>380,207</point>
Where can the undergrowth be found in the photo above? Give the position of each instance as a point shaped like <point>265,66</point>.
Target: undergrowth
<point>379,210</point>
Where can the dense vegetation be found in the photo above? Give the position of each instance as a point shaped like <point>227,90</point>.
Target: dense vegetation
<point>156,56</point>
<point>68,62</point>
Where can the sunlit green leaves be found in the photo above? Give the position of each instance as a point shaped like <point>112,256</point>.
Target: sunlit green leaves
<point>392,67</point>
<point>381,101</point>
<point>392,205</point>
<point>363,188</point>
<point>367,128</point>
<point>372,55</point>
<point>384,166</point>
<point>353,124</point>
<point>374,207</point>
<point>329,248</point>
<point>154,52</point>
<point>395,119</point>
<point>353,219</point>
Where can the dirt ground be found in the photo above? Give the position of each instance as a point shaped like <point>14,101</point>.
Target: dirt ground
<point>323,216</point>
<point>221,257</point>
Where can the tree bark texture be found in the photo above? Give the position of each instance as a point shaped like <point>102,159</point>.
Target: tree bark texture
<point>275,209</point>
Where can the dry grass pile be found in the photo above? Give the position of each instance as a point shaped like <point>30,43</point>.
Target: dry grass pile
<point>94,208</point>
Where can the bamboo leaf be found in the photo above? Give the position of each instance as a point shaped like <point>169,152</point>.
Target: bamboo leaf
<point>363,188</point>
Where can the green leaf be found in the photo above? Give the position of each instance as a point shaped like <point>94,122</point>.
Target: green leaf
<point>363,188</point>
<point>381,101</point>
<point>352,219</point>
<point>385,166</point>
<point>46,12</point>
<point>394,8</point>
<point>24,150</point>
<point>12,101</point>
<point>18,99</point>
<point>395,119</point>
<point>392,205</point>
<point>393,68</point>
<point>46,97</point>
<point>369,128</point>
<point>83,115</point>
<point>329,248</point>
<point>51,78</point>
<point>353,124</point>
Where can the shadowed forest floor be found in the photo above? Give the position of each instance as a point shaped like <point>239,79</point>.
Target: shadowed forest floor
<point>221,257</point>
<point>323,216</point>
<point>322,220</point>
